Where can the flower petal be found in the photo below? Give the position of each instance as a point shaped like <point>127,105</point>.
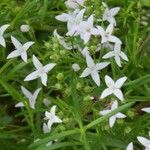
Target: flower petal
<point>27,93</point>
<point>114,11</point>
<point>48,67</point>
<point>85,73</point>
<point>123,56</point>
<point>110,28</point>
<point>3,28</point>
<point>44,79</point>
<point>117,60</point>
<point>114,105</point>
<point>16,43</point>
<point>112,120</point>
<point>100,66</point>
<point>27,45</point>
<point>118,94</point>
<point>109,82</point>
<point>36,62</point>
<point>104,112</point>
<point>63,17</point>
<point>95,77</point>
<point>24,56</point>
<point>146,109</point>
<point>20,104</point>
<point>114,39</point>
<point>106,93</point>
<point>57,119</point>
<point>14,54</point>
<point>2,41</point>
<point>89,61</point>
<point>120,115</point>
<point>53,110</point>
<point>108,55</point>
<point>130,146</point>
<point>32,76</point>
<point>144,141</point>
<point>120,82</point>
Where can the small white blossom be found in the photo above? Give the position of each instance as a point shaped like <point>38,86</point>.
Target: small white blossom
<point>24,28</point>
<point>61,41</point>
<point>130,146</point>
<point>117,54</point>
<point>45,128</point>
<point>73,21</point>
<point>2,30</point>
<point>74,4</point>
<point>146,109</point>
<point>41,71</point>
<point>31,97</point>
<point>85,51</point>
<point>76,67</point>
<point>20,50</point>
<point>107,35</point>
<point>113,118</point>
<point>113,87</point>
<point>51,117</point>
<point>109,15</point>
<point>86,29</point>
<point>144,141</point>
<point>93,69</point>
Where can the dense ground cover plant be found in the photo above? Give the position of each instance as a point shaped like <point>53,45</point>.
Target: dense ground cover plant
<point>74,74</point>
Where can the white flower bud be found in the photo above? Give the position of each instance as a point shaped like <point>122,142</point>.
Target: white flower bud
<point>76,67</point>
<point>25,28</point>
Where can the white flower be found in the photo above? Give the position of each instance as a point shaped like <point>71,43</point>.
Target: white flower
<point>113,87</point>
<point>86,29</point>
<point>76,67</point>
<point>146,109</point>
<point>45,128</point>
<point>74,4</point>
<point>113,118</point>
<point>20,50</point>
<point>109,15</point>
<point>117,54</point>
<point>51,117</point>
<point>144,141</point>
<point>2,30</point>
<point>41,71</point>
<point>62,41</point>
<point>107,35</point>
<point>31,97</point>
<point>130,146</point>
<point>73,21</point>
<point>24,28</point>
<point>93,69</point>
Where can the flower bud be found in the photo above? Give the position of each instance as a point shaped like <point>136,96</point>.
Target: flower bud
<point>58,86</point>
<point>76,67</point>
<point>131,113</point>
<point>62,52</point>
<point>128,129</point>
<point>60,76</point>
<point>55,57</point>
<point>79,86</point>
<point>47,45</point>
<point>87,89</point>
<point>68,91</point>
<point>25,28</point>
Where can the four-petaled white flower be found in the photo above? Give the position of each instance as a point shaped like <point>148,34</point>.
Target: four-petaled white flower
<point>86,29</point>
<point>2,30</point>
<point>73,21</point>
<point>113,87</point>
<point>31,97</point>
<point>130,146</point>
<point>41,71</point>
<point>51,117</point>
<point>146,109</point>
<point>62,41</point>
<point>109,15</point>
<point>107,35</point>
<point>144,141</point>
<point>113,118</point>
<point>20,50</point>
<point>74,4</point>
<point>93,69</point>
<point>117,54</point>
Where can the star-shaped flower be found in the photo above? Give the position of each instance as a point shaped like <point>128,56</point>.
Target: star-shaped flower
<point>113,87</point>
<point>2,30</point>
<point>20,50</point>
<point>51,117</point>
<point>130,146</point>
<point>117,54</point>
<point>144,141</point>
<point>41,71</point>
<point>109,15</point>
<point>86,29</point>
<point>113,118</point>
<point>73,21</point>
<point>146,109</point>
<point>74,4</point>
<point>107,35</point>
<point>31,97</point>
<point>93,69</point>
